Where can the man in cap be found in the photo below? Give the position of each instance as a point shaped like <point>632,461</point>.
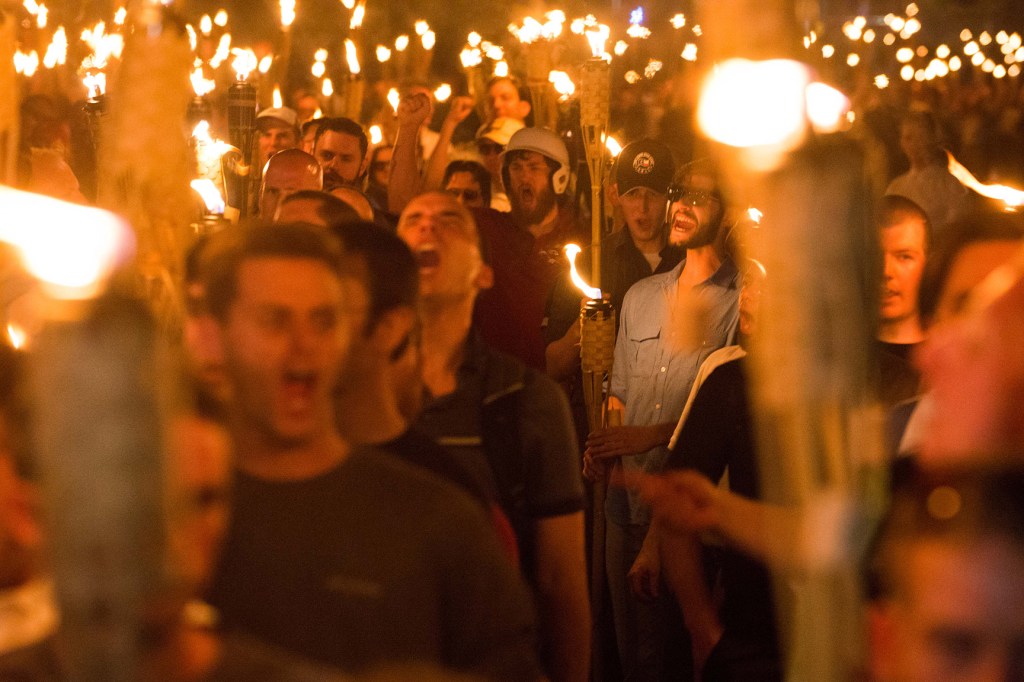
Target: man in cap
<point>278,130</point>
<point>491,141</point>
<point>642,177</point>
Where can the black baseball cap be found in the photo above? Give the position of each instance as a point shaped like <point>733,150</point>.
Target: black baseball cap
<point>644,163</point>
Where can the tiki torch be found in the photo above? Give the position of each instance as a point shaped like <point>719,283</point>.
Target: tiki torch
<point>595,87</point>
<point>354,83</point>
<point>242,126</point>
<point>95,107</point>
<point>200,109</point>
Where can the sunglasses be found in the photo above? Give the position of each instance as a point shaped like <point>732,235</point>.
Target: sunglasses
<point>691,197</point>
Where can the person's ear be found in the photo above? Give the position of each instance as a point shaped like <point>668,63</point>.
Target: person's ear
<point>523,110</point>
<point>613,193</point>
<point>484,277</point>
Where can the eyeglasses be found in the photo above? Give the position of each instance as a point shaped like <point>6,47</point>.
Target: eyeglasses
<point>691,197</point>
<point>466,194</point>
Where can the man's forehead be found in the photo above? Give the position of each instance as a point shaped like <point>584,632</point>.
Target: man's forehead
<point>252,274</point>
<point>335,138</point>
<point>702,181</point>
<point>527,156</point>
<point>441,205</point>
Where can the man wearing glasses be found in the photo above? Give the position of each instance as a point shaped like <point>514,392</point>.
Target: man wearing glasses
<point>669,324</point>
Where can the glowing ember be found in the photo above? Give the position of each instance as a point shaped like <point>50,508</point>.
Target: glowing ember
<point>443,92</point>
<point>563,84</point>
<point>201,85</point>
<point>1013,198</point>
<point>287,12</point>
<point>244,63</point>
<point>351,57</point>
<point>70,248</point>
<point>207,190</point>
<point>571,251</point>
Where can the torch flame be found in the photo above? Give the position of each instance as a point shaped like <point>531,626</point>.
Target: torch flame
<point>278,101</point>
<point>394,98</point>
<point>357,16</point>
<point>265,64</point>
<point>120,15</point>
<point>17,336</point>
<point>563,84</point>
<point>287,12</point>
<point>597,38</point>
<point>571,251</point>
<point>70,248</point>
<point>200,84</point>
<point>205,25</point>
<point>328,88</point>
<point>349,4</point>
<point>207,190</point>
<point>95,83</point>
<point>376,135</point>
<point>221,18</point>
<point>26,64</point>
<point>222,52</point>
<point>501,69</point>
<point>470,57</point>
<point>351,57</point>
<point>428,40</point>
<point>613,146</point>
<point>401,42</point>
<point>443,92</point>
<point>57,51</point>
<point>1013,198</point>
<point>244,63</point>
<point>383,54</point>
<point>421,27</point>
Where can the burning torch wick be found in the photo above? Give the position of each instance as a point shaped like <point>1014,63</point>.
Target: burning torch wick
<point>571,251</point>
<point>1013,198</point>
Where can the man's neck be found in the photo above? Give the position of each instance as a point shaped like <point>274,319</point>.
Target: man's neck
<point>653,245</point>
<point>445,330</point>
<point>546,225</point>
<point>903,331</point>
<point>367,412</point>
<point>699,265</point>
<point>262,458</point>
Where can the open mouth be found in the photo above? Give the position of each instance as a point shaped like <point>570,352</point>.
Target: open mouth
<point>299,387</point>
<point>428,257</point>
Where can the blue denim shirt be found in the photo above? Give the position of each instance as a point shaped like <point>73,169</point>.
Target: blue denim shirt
<point>664,336</point>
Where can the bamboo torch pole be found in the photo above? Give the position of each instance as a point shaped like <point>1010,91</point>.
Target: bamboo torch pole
<point>594,99</point>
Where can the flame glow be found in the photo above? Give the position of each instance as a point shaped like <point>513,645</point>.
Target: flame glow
<point>470,57</point>
<point>287,12</point>
<point>501,69</point>
<point>221,18</point>
<point>244,63</point>
<point>205,25</point>
<point>826,107</point>
<point>223,51</point>
<point>26,64</point>
<point>200,84</point>
<point>357,16</point>
<point>327,89</point>
<point>394,98</point>
<point>57,51</point>
<point>428,40</point>
<point>17,336</point>
<point>211,197</point>
<point>351,57</point>
<point>265,64</point>
<point>401,42</point>
<point>596,38</point>
<point>613,147</point>
<point>571,251</point>
<point>443,92</point>
<point>383,54</point>
<point>376,135</point>
<point>95,83</point>
<point>120,15</point>
<point>278,101</point>
<point>70,248</point>
<point>1013,198</point>
<point>563,84</point>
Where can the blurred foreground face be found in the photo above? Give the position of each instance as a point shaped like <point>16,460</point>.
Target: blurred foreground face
<point>201,466</point>
<point>972,364</point>
<point>958,617</point>
<point>284,340</point>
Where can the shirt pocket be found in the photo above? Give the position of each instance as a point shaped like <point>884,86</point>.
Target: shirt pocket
<point>647,347</point>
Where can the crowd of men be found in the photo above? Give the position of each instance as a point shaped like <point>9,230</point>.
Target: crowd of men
<point>387,467</point>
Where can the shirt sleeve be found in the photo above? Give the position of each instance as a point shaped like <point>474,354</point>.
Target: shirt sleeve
<point>621,361</point>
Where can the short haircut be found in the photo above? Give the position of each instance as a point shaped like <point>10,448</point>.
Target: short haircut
<point>474,168</point>
<point>230,249</point>
<point>345,126</point>
<point>957,507</point>
<point>975,228</point>
<point>704,167</point>
<point>393,278</point>
<point>312,123</point>
<point>15,411</point>
<point>895,210</point>
<point>330,208</point>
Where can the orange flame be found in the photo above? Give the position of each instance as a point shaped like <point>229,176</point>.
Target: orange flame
<point>1013,198</point>
<point>571,251</point>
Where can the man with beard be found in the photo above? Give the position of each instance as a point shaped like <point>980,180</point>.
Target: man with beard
<point>669,324</point>
<point>340,147</point>
<point>526,245</point>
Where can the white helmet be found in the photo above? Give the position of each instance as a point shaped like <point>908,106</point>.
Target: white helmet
<point>546,143</point>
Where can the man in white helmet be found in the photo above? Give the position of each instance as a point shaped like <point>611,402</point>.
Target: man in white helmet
<point>526,245</point>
